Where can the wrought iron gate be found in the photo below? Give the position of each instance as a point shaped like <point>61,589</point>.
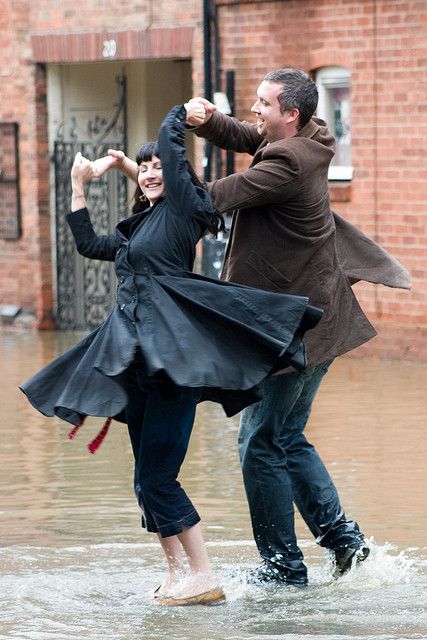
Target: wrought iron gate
<point>86,288</point>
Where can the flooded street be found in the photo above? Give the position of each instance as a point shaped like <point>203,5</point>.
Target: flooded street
<point>75,564</point>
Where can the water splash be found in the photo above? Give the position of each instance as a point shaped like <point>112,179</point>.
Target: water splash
<point>382,567</point>
<point>87,592</point>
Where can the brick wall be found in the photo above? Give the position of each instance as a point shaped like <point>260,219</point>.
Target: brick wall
<point>385,46</point>
<point>384,43</point>
<point>19,260</point>
<point>26,264</point>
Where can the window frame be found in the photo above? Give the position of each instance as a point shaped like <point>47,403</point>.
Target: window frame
<point>333,77</point>
<point>10,226</point>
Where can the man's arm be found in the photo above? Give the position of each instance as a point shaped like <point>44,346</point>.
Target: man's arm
<point>272,180</point>
<point>223,131</point>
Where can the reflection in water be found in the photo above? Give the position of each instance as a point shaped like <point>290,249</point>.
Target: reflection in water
<point>75,564</point>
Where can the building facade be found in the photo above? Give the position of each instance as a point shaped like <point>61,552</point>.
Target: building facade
<point>83,75</point>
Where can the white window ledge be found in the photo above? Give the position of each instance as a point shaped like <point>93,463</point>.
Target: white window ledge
<point>340,173</point>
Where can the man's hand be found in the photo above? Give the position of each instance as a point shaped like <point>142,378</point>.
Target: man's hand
<point>199,110</point>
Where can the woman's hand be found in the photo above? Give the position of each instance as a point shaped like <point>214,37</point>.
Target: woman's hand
<point>114,160</point>
<point>199,110</point>
<point>81,171</point>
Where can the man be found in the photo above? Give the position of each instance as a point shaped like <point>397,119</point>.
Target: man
<point>283,238</point>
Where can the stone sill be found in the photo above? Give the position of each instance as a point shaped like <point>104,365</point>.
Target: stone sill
<point>340,191</point>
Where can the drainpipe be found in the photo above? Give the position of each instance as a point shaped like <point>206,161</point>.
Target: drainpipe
<point>229,90</point>
<point>378,305</point>
<point>217,75</point>
<point>208,78</point>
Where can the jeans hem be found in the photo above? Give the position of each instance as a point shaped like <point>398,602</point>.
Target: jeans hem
<point>173,528</point>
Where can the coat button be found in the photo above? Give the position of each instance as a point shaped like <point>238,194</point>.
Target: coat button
<point>122,306</point>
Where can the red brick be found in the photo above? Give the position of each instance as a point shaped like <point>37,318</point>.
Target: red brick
<point>386,52</point>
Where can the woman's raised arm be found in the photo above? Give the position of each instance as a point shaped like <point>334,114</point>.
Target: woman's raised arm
<point>115,159</point>
<point>88,243</point>
<point>182,194</point>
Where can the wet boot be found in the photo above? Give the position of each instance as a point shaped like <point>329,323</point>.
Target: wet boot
<point>279,569</point>
<point>346,543</point>
<point>346,557</point>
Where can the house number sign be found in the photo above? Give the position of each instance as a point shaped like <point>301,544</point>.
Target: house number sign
<point>110,49</point>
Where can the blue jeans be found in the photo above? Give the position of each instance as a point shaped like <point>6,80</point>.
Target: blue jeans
<point>160,419</point>
<point>280,468</point>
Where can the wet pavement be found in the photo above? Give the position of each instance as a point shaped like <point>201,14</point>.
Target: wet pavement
<point>74,562</point>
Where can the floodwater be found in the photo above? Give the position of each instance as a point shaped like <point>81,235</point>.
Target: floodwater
<point>75,565</point>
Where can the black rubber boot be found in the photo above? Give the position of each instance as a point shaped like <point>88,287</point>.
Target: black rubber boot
<point>291,572</point>
<point>345,557</point>
<point>346,543</point>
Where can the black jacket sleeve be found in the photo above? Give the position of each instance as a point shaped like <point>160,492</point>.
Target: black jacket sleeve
<point>87,242</point>
<point>183,196</point>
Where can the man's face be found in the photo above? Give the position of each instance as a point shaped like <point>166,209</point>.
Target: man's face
<point>271,121</point>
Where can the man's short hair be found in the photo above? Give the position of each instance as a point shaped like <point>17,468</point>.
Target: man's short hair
<point>299,92</point>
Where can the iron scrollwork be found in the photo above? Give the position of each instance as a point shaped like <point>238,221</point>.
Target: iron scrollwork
<point>86,287</point>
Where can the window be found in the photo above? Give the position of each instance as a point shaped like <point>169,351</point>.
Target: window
<point>10,216</point>
<point>334,107</point>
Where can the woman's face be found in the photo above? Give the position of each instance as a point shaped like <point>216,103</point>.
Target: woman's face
<point>150,179</point>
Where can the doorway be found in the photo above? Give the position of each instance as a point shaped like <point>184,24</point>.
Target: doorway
<point>93,107</point>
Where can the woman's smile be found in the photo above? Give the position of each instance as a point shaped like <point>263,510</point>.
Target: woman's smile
<point>150,179</point>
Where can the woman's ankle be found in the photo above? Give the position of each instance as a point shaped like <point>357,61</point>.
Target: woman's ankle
<point>170,581</point>
<point>195,583</point>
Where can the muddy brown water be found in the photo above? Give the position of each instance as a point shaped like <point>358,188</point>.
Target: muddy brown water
<point>74,563</point>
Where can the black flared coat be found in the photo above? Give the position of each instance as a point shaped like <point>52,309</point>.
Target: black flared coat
<point>191,331</point>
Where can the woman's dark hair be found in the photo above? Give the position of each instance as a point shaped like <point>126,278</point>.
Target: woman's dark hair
<point>216,224</point>
<point>145,153</point>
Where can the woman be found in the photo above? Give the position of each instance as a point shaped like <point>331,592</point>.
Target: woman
<point>173,339</point>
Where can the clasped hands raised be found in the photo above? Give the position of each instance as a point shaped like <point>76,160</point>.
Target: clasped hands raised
<point>84,169</point>
<point>199,110</point>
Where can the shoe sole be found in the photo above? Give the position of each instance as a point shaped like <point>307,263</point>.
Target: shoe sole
<point>207,598</point>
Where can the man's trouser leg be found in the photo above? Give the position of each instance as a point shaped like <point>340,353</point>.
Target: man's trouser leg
<point>279,467</point>
<point>314,492</point>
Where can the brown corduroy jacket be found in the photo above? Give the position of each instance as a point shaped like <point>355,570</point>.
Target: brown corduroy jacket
<point>284,236</point>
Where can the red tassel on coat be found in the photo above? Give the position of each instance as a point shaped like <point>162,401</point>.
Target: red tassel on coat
<point>96,442</point>
<point>76,427</point>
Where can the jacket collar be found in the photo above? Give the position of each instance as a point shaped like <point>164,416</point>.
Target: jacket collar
<point>310,129</point>
<point>127,226</point>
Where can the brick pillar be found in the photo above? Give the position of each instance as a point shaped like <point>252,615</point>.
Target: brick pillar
<point>44,297</point>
